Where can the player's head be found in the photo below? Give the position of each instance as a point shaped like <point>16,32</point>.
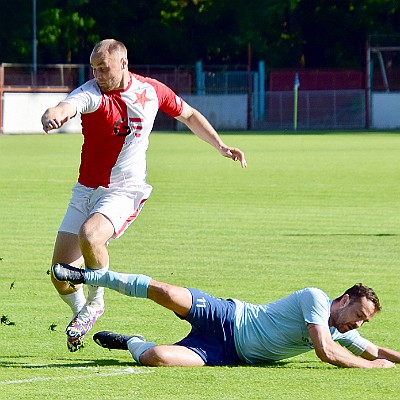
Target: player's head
<point>355,306</point>
<point>359,291</point>
<point>109,64</point>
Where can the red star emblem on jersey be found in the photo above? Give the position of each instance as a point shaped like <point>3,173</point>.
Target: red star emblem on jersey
<point>141,98</point>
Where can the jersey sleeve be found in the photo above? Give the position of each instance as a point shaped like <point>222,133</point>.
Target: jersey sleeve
<point>85,98</point>
<point>353,342</point>
<point>168,101</point>
<point>315,305</point>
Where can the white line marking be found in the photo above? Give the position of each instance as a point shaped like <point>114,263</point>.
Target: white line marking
<point>113,372</point>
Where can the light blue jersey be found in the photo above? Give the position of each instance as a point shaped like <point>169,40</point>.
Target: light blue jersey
<point>278,330</point>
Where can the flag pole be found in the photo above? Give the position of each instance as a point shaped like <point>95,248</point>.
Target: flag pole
<point>34,43</point>
<point>296,96</point>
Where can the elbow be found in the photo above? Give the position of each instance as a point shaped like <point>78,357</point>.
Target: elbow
<point>325,354</point>
<point>186,114</point>
<point>322,356</point>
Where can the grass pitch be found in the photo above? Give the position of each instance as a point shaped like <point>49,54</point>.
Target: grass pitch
<point>310,210</point>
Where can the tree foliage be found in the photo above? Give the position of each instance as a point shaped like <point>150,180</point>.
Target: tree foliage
<point>69,32</point>
<point>284,33</point>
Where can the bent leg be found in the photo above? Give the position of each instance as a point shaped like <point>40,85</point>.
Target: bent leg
<point>66,250</point>
<point>170,356</point>
<point>93,237</point>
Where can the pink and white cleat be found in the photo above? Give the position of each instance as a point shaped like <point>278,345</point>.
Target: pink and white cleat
<point>81,325</point>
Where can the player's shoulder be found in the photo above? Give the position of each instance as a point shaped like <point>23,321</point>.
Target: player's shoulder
<point>88,88</point>
<point>91,86</point>
<point>140,81</point>
<point>313,292</point>
<point>86,98</point>
<point>143,79</point>
<point>311,289</point>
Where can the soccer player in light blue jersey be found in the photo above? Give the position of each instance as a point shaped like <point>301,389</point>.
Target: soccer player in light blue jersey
<point>234,332</point>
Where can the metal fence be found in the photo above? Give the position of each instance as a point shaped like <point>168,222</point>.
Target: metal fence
<point>182,79</point>
<point>317,109</point>
<point>73,75</point>
<point>226,82</point>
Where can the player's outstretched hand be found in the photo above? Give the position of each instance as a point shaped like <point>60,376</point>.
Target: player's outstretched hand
<point>49,124</point>
<point>383,363</point>
<point>56,117</point>
<point>235,154</point>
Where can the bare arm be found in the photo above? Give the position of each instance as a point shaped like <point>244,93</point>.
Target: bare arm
<point>374,352</point>
<point>56,117</point>
<point>200,126</point>
<point>329,351</point>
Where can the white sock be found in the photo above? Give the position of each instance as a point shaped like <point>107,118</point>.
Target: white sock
<point>96,294</point>
<point>75,300</point>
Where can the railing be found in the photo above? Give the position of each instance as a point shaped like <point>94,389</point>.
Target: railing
<point>182,79</point>
<point>317,109</point>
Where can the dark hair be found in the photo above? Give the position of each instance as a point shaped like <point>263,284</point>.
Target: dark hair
<point>359,291</point>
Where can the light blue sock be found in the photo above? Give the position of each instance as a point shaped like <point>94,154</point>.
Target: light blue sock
<point>134,285</point>
<point>137,347</point>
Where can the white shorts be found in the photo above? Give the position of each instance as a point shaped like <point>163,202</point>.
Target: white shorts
<point>120,206</point>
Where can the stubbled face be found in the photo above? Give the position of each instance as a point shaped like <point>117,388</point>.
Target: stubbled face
<point>352,314</point>
<point>108,70</point>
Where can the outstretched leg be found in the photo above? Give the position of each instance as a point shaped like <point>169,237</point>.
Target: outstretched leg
<point>170,356</point>
<point>176,298</point>
<point>147,353</point>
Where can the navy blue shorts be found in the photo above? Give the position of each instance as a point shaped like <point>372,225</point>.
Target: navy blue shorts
<point>211,337</point>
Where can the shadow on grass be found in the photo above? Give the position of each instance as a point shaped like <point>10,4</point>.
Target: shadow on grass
<point>81,364</point>
<point>343,234</point>
<point>272,364</point>
<point>67,364</point>
<point>286,365</point>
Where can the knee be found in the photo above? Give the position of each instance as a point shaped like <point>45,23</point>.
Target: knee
<point>63,288</point>
<point>90,239</point>
<point>156,357</point>
<point>86,235</point>
<point>95,231</point>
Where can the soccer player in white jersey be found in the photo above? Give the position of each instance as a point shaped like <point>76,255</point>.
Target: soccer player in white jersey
<point>117,110</point>
<point>233,332</point>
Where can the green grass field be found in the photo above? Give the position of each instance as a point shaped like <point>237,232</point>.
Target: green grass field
<point>310,210</point>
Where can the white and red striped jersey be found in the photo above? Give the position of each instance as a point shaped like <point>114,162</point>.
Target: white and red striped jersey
<point>116,126</point>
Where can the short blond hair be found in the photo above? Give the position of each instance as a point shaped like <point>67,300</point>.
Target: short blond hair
<point>110,46</point>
